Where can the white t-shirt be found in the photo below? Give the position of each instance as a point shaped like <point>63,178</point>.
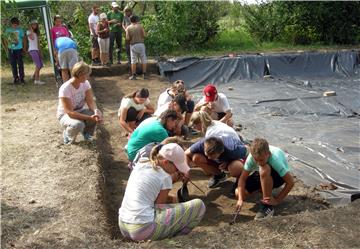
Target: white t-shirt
<point>161,109</point>
<point>142,189</point>
<point>76,96</point>
<point>220,129</point>
<point>129,102</point>
<point>164,98</point>
<point>33,43</point>
<point>93,20</point>
<point>219,105</point>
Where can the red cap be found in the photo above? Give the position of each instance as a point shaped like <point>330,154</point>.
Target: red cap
<point>210,93</point>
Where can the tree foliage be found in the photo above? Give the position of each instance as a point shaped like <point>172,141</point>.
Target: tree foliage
<point>329,22</point>
<point>176,25</point>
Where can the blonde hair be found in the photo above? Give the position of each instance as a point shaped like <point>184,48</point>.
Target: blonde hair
<point>203,118</point>
<point>80,68</point>
<point>155,157</point>
<point>259,146</point>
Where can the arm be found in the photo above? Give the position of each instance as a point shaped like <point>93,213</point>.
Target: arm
<point>199,105</point>
<point>189,156</point>
<point>241,188</point>
<point>24,41</point>
<point>143,31</point>
<point>149,108</point>
<point>68,109</point>
<point>164,197</point>
<point>122,120</point>
<point>226,117</point>
<point>289,184</point>
<point>89,99</point>
<point>127,35</point>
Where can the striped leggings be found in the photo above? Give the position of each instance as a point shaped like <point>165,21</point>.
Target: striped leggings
<point>170,220</point>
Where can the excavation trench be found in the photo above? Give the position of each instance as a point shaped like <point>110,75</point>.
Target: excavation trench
<point>109,89</point>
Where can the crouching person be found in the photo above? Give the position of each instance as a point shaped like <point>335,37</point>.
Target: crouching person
<point>147,211</point>
<point>74,116</point>
<point>271,170</point>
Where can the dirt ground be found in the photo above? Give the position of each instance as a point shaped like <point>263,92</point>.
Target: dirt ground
<point>58,196</point>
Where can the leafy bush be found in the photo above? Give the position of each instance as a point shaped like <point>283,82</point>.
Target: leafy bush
<point>186,25</point>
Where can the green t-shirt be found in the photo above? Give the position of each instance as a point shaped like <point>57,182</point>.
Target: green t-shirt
<point>119,16</point>
<point>277,161</point>
<point>15,37</point>
<point>149,131</point>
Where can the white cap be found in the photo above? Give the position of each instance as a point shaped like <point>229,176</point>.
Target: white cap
<point>114,5</point>
<point>103,16</point>
<point>174,153</point>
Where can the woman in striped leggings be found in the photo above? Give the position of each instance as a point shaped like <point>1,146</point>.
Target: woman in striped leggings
<point>148,212</point>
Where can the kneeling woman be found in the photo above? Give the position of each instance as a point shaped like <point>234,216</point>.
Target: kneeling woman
<point>145,213</point>
<point>77,110</point>
<point>134,109</point>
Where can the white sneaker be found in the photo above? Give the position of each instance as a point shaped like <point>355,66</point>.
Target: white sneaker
<point>38,82</point>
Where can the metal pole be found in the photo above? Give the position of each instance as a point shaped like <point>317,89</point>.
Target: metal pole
<point>45,14</point>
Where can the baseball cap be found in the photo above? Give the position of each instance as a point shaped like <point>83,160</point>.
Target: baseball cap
<point>174,153</point>
<point>181,101</point>
<point>210,93</point>
<point>33,21</point>
<point>114,5</point>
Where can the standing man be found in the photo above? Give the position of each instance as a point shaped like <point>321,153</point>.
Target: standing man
<point>135,34</point>
<point>93,20</point>
<point>126,23</point>
<point>115,18</point>
<point>15,41</point>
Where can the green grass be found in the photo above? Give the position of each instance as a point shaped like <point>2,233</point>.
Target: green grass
<point>239,41</point>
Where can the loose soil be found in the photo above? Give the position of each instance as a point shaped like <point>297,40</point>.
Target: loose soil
<point>58,196</point>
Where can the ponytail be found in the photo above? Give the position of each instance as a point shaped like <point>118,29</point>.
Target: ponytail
<point>154,156</point>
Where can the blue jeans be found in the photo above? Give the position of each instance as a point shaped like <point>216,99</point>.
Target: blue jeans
<point>15,61</point>
<point>115,36</point>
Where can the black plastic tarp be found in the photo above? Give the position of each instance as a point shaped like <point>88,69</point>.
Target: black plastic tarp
<point>196,71</point>
<point>320,134</point>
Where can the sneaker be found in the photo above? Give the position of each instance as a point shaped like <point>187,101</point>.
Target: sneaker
<point>67,140</point>
<point>16,81</point>
<point>38,82</point>
<point>145,77</point>
<point>22,81</point>
<point>265,211</point>
<point>216,180</point>
<point>133,77</point>
<point>87,136</point>
<point>118,62</point>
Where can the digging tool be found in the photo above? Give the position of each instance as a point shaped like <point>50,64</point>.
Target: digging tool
<point>237,211</point>
<point>194,184</point>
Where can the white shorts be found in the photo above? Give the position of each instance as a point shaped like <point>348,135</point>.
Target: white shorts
<point>138,51</point>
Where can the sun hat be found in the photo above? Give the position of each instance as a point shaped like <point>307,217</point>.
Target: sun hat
<point>174,153</point>
<point>210,93</point>
<point>127,8</point>
<point>103,16</point>
<point>114,5</point>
